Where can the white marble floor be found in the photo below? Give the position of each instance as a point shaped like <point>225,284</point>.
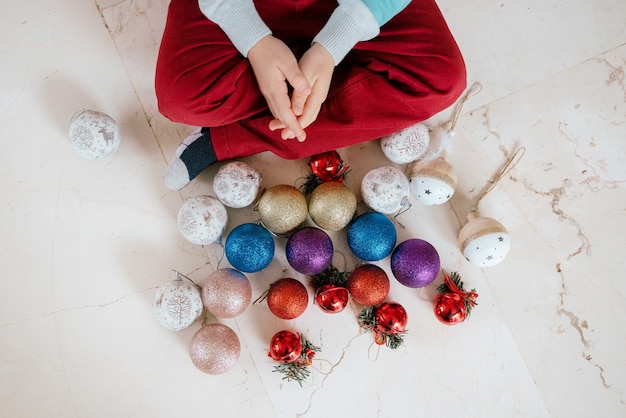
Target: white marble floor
<point>85,244</point>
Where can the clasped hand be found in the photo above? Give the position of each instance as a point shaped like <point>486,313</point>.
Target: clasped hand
<point>274,66</point>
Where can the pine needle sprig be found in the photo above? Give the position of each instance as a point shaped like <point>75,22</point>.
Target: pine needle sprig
<point>330,276</point>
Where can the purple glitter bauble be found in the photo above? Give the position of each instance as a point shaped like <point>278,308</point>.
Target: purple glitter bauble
<point>309,250</point>
<point>415,263</point>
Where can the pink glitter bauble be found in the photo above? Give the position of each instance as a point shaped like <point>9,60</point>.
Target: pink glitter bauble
<point>214,349</point>
<point>226,293</point>
<point>415,263</point>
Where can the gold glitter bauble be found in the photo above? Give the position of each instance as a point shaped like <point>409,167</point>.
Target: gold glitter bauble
<point>282,208</point>
<point>368,284</point>
<point>287,298</point>
<point>214,348</point>
<point>332,205</point>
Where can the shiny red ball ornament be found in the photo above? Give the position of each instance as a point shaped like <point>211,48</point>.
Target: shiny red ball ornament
<point>450,308</point>
<point>287,298</point>
<point>391,318</point>
<point>331,298</point>
<point>285,346</point>
<point>327,166</point>
<point>453,304</point>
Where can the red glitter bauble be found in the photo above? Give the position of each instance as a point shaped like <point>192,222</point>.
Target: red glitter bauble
<point>287,298</point>
<point>391,318</point>
<point>331,298</point>
<point>450,308</point>
<point>368,284</point>
<point>285,346</point>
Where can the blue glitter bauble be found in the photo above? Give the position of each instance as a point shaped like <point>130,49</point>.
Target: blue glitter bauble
<point>415,263</point>
<point>309,250</point>
<point>371,236</point>
<point>249,248</point>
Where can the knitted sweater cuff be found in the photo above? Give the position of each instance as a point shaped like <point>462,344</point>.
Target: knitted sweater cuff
<point>351,22</point>
<point>240,21</point>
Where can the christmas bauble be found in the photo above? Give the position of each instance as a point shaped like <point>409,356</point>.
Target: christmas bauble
<point>177,304</point>
<point>327,166</point>
<point>287,298</point>
<point>282,208</point>
<point>391,318</point>
<point>371,236</point>
<point>484,242</point>
<point>450,308</point>
<point>285,346</point>
<point>331,298</point>
<point>236,184</point>
<point>415,263</point>
<point>385,189</point>
<point>433,182</point>
<point>368,284</point>
<point>407,145</point>
<point>249,248</point>
<point>214,349</point>
<point>332,205</point>
<point>94,135</point>
<point>226,293</point>
<point>309,250</point>
<point>202,220</point>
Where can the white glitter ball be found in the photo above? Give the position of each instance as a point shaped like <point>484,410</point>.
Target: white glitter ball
<point>202,219</point>
<point>236,184</point>
<point>407,145</point>
<point>177,305</point>
<point>94,135</point>
<point>385,189</point>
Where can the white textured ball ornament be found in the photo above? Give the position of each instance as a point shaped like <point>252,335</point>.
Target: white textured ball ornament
<point>385,189</point>
<point>484,242</point>
<point>407,145</point>
<point>433,182</point>
<point>202,220</point>
<point>177,304</point>
<point>94,135</point>
<point>236,184</point>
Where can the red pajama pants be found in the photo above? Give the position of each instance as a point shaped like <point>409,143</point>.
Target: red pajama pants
<point>412,70</point>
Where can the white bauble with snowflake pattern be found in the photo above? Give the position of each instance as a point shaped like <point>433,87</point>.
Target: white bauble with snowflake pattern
<point>407,145</point>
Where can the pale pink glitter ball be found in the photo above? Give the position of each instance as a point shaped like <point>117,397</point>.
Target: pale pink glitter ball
<point>214,349</point>
<point>226,293</point>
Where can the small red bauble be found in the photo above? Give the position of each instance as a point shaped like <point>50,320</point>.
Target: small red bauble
<point>391,318</point>
<point>285,346</point>
<point>327,166</point>
<point>453,304</point>
<point>450,308</point>
<point>287,298</point>
<point>331,298</point>
<point>368,284</point>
